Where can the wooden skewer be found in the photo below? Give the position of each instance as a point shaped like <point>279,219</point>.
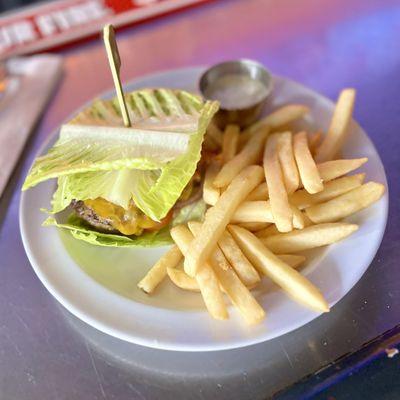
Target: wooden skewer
<point>115,65</point>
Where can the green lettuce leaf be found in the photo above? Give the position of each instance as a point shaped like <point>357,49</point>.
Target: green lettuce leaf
<point>81,230</point>
<point>150,163</point>
<point>191,212</point>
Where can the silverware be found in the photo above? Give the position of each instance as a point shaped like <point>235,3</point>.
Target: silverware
<point>242,87</point>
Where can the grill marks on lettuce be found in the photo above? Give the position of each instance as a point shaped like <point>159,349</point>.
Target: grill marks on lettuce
<point>150,164</point>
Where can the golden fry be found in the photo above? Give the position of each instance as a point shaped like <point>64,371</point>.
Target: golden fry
<point>205,276</point>
<point>300,221</point>
<point>230,142</point>
<point>302,199</point>
<point>294,260</point>
<point>158,272</point>
<point>276,119</point>
<point>182,279</point>
<point>216,254</point>
<point>334,169</point>
<point>309,174</point>
<point>346,204</point>
<point>287,161</point>
<point>250,154</point>
<point>259,193</point>
<point>278,197</point>
<point>253,211</point>
<point>245,271</point>
<point>254,226</point>
<point>260,212</point>
<point>210,192</point>
<point>308,238</point>
<point>307,220</point>
<point>209,144</point>
<point>313,141</point>
<point>338,128</point>
<point>291,281</point>
<point>298,218</point>
<point>240,296</point>
<point>218,217</point>
<point>238,293</point>
<point>270,230</point>
<point>215,133</point>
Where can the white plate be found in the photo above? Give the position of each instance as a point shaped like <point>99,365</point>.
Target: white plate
<point>98,284</point>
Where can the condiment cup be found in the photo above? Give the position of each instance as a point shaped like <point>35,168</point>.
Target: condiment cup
<point>241,115</point>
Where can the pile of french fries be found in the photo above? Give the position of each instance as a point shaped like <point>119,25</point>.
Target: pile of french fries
<point>272,193</point>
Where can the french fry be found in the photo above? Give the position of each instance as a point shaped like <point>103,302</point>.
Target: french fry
<point>302,199</point>
<point>183,280</point>
<point>300,221</point>
<point>290,280</point>
<point>329,170</point>
<point>215,133</point>
<point>245,271</point>
<point>230,142</point>
<point>270,230</point>
<point>260,217</point>
<point>308,238</point>
<point>313,141</point>
<point>240,296</point>
<point>307,220</point>
<point>276,119</point>
<point>159,271</point>
<point>338,127</point>
<point>195,226</point>
<point>218,217</point>
<point>259,193</point>
<point>346,204</point>
<point>253,211</point>
<point>298,218</point>
<point>238,293</point>
<point>293,260</point>
<point>205,275</point>
<point>254,226</point>
<point>250,154</point>
<point>209,144</point>
<point>260,211</point>
<point>287,161</point>
<point>309,174</point>
<point>278,197</point>
<point>210,192</point>
<point>281,116</point>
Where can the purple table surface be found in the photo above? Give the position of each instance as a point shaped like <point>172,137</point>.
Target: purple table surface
<point>45,353</point>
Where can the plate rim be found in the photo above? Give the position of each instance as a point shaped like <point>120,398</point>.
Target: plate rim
<point>168,345</point>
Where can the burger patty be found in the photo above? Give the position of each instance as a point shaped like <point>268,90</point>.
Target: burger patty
<point>87,214</point>
<point>191,193</point>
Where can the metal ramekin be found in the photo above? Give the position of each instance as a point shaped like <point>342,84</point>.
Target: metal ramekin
<point>241,116</point>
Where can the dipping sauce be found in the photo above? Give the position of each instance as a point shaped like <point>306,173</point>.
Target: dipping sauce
<point>236,91</point>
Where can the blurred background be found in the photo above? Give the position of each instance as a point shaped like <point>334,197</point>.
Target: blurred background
<point>6,5</point>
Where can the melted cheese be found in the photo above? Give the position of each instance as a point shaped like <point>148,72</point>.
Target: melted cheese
<point>129,222</point>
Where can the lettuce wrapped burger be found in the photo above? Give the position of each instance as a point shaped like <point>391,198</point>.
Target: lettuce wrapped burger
<point>119,186</point>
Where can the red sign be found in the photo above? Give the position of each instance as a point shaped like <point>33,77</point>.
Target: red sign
<point>53,24</point>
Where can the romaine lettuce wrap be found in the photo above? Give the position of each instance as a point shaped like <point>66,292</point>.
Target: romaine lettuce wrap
<point>119,186</point>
